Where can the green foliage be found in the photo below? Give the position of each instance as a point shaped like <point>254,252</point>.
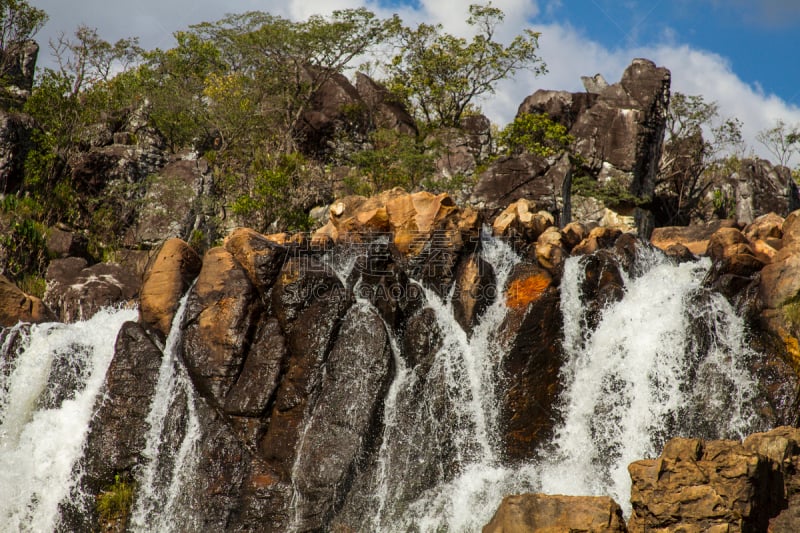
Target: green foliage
<point>395,159</point>
<point>782,140</point>
<point>537,134</point>
<point>611,192</point>
<point>24,243</point>
<point>695,140</point>
<point>724,204</point>
<point>267,194</point>
<point>114,503</point>
<point>441,76</point>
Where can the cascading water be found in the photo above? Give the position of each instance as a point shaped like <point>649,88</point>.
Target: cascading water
<point>668,359</point>
<point>48,389</point>
<point>164,502</point>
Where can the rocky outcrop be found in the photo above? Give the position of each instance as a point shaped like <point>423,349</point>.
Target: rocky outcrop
<point>174,206</point>
<point>759,188</point>
<point>618,134</point>
<point>19,62</point>
<point>76,291</point>
<point>699,485</point>
<point>532,513</point>
<point>15,141</point>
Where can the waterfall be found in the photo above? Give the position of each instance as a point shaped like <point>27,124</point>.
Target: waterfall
<point>50,376</point>
<point>668,359</point>
<point>165,502</point>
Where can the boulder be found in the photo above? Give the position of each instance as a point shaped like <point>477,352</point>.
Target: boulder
<point>517,220</point>
<point>384,108</point>
<point>117,432</point>
<point>695,238</point>
<point>256,385</point>
<point>561,106</point>
<point>474,291</point>
<point>704,486</point>
<point>166,280</point>
<point>16,306</point>
<point>545,513</point>
<point>62,243</point>
<point>222,307</point>
<point>260,257</point>
<point>76,291</point>
<point>531,331</point>
<point>19,61</point>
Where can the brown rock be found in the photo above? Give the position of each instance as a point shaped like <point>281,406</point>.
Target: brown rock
<point>518,220</point>
<point>532,332</point>
<point>598,238</point>
<point>220,312</point>
<point>474,291</point>
<point>16,306</point>
<point>261,258</point>
<point>257,382</point>
<point>765,227</point>
<point>167,279</point>
<point>77,292</point>
<point>544,513</point>
<point>722,243</point>
<point>697,486</point>
<point>695,238</point>
<point>550,249</point>
<point>573,233</point>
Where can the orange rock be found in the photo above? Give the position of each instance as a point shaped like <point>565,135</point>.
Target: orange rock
<point>168,277</point>
<point>16,306</point>
<point>522,292</point>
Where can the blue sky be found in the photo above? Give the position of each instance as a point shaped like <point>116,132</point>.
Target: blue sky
<point>741,54</point>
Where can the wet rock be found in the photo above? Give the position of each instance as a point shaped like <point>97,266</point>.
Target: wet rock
<point>474,291</point>
<point>344,417</point>
<point>220,313</point>
<point>526,513</point>
<point>166,280</point>
<point>256,384</point>
<point>551,250</point>
<point>310,338</point>
<point>117,432</point>
<point>531,335</point>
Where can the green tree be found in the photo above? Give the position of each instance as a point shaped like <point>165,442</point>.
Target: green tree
<point>696,141</point>
<point>442,76</point>
<point>782,140</point>
<point>535,133</point>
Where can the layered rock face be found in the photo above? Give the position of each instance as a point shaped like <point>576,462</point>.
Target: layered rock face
<point>618,132</point>
<point>292,353</point>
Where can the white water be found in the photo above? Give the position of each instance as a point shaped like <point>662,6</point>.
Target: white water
<point>635,380</point>
<point>42,428</point>
<point>164,500</point>
<point>628,383</point>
